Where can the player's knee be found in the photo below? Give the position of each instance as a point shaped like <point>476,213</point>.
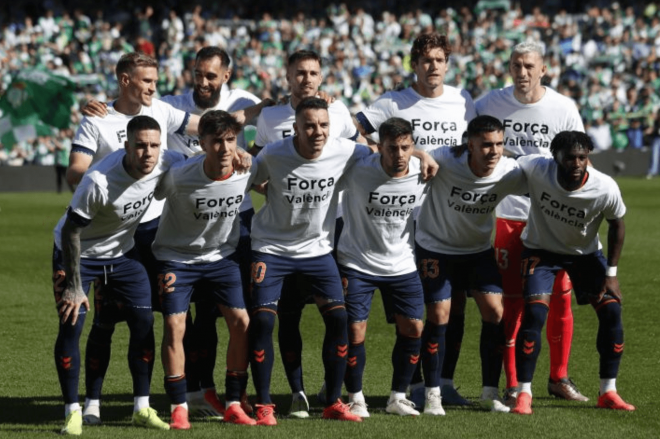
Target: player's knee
<point>262,319</point>
<point>535,315</point>
<point>410,328</point>
<point>238,322</point>
<point>492,311</point>
<point>334,316</point>
<point>609,313</point>
<point>357,332</point>
<point>175,327</point>
<point>438,313</point>
<point>101,334</point>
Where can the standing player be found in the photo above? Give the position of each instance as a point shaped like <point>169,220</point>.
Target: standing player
<point>293,234</point>
<point>381,192</point>
<point>439,114</point>
<point>196,241</point>
<point>303,74</point>
<point>454,251</point>
<point>94,242</point>
<point>211,72</point>
<point>569,201</point>
<point>532,115</point>
<point>97,137</point>
<point>274,124</point>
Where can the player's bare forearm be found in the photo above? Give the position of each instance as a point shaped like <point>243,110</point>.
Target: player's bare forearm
<point>192,128</point>
<point>242,161</point>
<point>615,237</point>
<point>616,233</point>
<point>73,296</point>
<point>249,114</point>
<point>78,164</point>
<point>429,165</point>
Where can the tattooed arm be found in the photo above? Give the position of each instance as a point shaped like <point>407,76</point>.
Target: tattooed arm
<point>73,296</point>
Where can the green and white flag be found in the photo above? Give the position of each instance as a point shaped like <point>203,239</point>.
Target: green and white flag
<point>13,131</point>
<point>34,100</point>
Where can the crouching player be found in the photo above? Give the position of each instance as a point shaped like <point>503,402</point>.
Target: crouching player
<point>196,241</point>
<point>94,242</point>
<point>454,251</point>
<point>569,201</point>
<point>376,250</point>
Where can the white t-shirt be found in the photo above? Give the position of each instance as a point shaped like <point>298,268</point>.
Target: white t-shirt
<point>230,101</point>
<point>200,221</point>
<point>115,203</point>
<point>567,222</point>
<point>276,123</point>
<point>104,135</point>
<point>529,129</point>
<point>377,238</point>
<point>436,122</point>
<point>457,215</point>
<point>298,218</point>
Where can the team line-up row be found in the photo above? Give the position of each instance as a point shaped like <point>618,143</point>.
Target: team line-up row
<point>199,237</point>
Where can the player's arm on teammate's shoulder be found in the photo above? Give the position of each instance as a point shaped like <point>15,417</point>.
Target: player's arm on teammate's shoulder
<point>95,108</point>
<point>193,125</point>
<point>363,136</point>
<point>73,296</point>
<point>78,164</point>
<point>242,160</point>
<point>248,114</point>
<point>429,165</point>
<point>616,233</point>
<point>325,96</point>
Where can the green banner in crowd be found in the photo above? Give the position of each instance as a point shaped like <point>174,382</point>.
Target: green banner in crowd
<point>34,100</point>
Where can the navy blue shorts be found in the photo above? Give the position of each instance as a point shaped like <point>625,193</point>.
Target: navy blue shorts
<point>269,271</point>
<point>405,291</point>
<point>118,283</point>
<point>441,273</point>
<point>539,268</point>
<point>221,283</point>
<point>296,290</point>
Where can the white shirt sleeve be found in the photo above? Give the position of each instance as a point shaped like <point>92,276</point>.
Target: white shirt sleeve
<point>87,135</point>
<point>88,199</point>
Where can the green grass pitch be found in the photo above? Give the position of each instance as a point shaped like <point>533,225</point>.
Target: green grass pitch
<point>30,401</point>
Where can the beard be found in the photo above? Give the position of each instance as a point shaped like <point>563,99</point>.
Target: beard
<point>209,102</point>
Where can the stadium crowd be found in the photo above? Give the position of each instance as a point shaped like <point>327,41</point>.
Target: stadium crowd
<point>603,55</point>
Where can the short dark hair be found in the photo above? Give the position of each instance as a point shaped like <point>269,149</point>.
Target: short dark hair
<point>130,61</point>
<point>484,124</point>
<point>426,42</point>
<point>140,123</point>
<point>302,55</point>
<point>311,103</point>
<point>218,121</point>
<point>393,128</point>
<point>566,140</point>
<point>210,52</point>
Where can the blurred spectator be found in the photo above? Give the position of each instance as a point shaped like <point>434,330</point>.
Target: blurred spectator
<point>600,132</point>
<point>61,146</point>
<point>654,166</point>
